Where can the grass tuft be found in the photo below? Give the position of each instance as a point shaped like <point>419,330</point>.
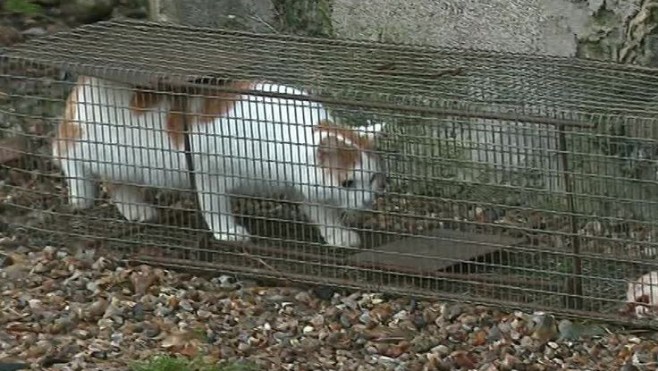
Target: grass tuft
<point>169,363</point>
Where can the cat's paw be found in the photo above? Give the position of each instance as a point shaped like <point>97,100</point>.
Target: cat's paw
<point>342,238</point>
<point>236,234</point>
<point>80,203</point>
<point>137,212</point>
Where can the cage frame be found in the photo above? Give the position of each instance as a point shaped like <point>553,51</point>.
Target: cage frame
<point>29,54</point>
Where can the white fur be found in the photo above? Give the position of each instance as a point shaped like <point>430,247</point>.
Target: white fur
<point>371,130</point>
<point>263,145</point>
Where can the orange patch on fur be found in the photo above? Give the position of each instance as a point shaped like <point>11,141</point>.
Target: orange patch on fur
<point>176,121</point>
<point>354,136</point>
<point>220,103</point>
<point>338,156</point>
<point>340,153</point>
<point>215,104</point>
<point>143,100</point>
<point>69,130</point>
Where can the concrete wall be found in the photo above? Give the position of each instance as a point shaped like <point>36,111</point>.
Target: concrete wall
<point>306,17</point>
<point>544,26</point>
<point>620,30</point>
<point>252,15</point>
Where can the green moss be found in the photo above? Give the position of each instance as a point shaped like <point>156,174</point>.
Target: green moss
<point>26,7</point>
<point>592,50</point>
<point>304,17</point>
<point>605,18</point>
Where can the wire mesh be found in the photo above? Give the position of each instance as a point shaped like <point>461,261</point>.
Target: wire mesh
<point>496,178</point>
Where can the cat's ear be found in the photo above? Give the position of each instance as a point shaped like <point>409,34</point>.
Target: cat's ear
<point>371,131</point>
<point>335,152</point>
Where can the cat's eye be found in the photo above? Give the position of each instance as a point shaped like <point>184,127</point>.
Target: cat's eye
<point>349,183</point>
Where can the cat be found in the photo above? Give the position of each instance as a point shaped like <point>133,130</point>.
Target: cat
<point>128,138</point>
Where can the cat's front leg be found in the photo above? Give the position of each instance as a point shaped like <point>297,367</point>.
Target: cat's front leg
<point>131,203</point>
<point>328,220</point>
<point>215,204</point>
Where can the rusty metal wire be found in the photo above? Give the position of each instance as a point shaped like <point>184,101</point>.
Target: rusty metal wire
<point>517,180</point>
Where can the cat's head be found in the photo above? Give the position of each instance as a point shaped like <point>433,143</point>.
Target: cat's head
<point>353,172</point>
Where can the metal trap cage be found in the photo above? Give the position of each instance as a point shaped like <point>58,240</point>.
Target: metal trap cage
<point>514,180</point>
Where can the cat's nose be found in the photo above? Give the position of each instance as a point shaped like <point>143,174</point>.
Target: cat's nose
<point>379,183</point>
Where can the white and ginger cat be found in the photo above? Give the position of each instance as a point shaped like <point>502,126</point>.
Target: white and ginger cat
<point>241,144</point>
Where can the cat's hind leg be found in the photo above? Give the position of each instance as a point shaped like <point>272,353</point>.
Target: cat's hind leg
<point>328,220</point>
<point>131,203</point>
<point>215,204</point>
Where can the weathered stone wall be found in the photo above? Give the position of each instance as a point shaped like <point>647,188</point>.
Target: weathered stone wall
<point>252,15</point>
<point>306,17</point>
<point>619,30</point>
<point>544,26</point>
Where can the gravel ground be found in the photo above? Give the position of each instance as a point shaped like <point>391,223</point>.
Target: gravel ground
<point>85,310</point>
